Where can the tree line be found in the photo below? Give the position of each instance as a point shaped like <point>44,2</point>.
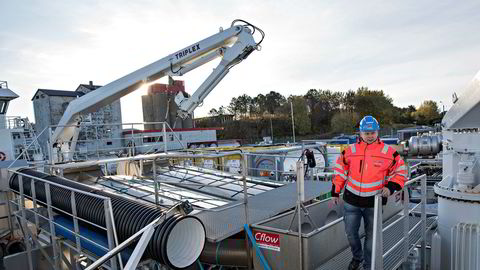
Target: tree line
<point>318,112</point>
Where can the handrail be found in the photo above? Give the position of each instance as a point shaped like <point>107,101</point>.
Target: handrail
<point>165,124</point>
<point>377,247</point>
<point>119,139</point>
<point>28,147</point>
<point>109,218</point>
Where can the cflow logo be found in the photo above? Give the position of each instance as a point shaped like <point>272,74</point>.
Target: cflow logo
<point>187,51</point>
<point>268,240</point>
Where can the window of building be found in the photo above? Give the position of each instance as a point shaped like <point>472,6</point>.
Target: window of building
<point>171,137</point>
<point>109,143</point>
<point>153,139</point>
<point>3,106</point>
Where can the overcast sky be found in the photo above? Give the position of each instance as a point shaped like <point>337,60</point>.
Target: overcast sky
<point>413,50</point>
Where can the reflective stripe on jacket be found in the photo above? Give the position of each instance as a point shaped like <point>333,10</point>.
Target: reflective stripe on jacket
<point>366,168</point>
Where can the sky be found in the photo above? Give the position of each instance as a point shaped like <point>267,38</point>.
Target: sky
<point>412,50</point>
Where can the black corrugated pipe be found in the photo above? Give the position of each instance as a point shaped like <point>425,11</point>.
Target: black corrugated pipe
<point>229,252</point>
<point>177,242</point>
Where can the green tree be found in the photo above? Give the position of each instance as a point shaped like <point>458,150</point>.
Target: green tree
<point>311,97</point>
<point>345,122</point>
<point>234,107</point>
<point>273,101</point>
<point>404,115</point>
<point>348,101</point>
<point>427,113</point>
<point>375,103</point>
<point>328,103</point>
<point>300,114</point>
<point>258,105</point>
<point>244,102</point>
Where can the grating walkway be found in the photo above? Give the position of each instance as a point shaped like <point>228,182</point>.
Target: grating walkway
<point>390,237</point>
<point>221,224</point>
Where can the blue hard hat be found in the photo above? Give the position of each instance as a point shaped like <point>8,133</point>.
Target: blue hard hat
<point>369,123</point>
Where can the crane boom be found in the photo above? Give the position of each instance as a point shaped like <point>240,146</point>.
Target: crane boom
<point>232,45</point>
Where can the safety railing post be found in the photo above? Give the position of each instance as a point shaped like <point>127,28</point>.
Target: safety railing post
<point>133,142</point>
<point>110,236</point>
<point>9,207</point>
<point>377,247</point>
<point>155,182</point>
<point>424,221</point>
<point>300,178</point>
<point>75,222</point>
<point>34,200</point>
<point>53,235</point>
<point>23,222</point>
<point>245,201</point>
<point>164,130</point>
<point>406,223</point>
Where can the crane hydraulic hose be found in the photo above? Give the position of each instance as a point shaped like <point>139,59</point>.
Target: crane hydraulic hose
<point>177,242</point>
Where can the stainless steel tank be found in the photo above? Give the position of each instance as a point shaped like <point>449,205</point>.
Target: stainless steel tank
<point>413,146</point>
<point>425,145</point>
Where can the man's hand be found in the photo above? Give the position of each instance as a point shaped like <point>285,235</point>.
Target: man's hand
<point>385,192</point>
<point>334,201</point>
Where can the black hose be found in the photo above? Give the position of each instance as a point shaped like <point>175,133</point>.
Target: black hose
<point>130,217</point>
<point>229,252</point>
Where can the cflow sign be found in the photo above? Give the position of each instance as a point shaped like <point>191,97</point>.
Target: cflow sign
<point>269,241</point>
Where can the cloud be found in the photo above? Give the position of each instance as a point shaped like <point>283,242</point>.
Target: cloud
<point>412,50</point>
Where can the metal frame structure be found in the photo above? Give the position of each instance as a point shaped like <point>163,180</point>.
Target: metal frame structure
<point>378,253</point>
<point>157,182</point>
<point>21,213</point>
<point>99,152</point>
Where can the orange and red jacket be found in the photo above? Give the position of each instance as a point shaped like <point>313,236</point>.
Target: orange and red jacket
<point>364,169</point>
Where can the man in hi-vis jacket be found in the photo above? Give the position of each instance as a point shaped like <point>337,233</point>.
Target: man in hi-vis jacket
<point>364,169</point>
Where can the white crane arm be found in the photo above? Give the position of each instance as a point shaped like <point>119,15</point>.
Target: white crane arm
<point>233,45</point>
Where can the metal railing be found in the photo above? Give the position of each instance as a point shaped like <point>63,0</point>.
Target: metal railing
<point>35,141</point>
<point>241,174</point>
<point>378,254</point>
<point>19,201</point>
<point>14,122</point>
<point>121,138</point>
<point>269,167</point>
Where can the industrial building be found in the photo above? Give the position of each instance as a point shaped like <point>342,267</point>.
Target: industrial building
<point>49,106</point>
<point>159,106</point>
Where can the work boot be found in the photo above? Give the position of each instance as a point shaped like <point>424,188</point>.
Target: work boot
<point>354,265</point>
